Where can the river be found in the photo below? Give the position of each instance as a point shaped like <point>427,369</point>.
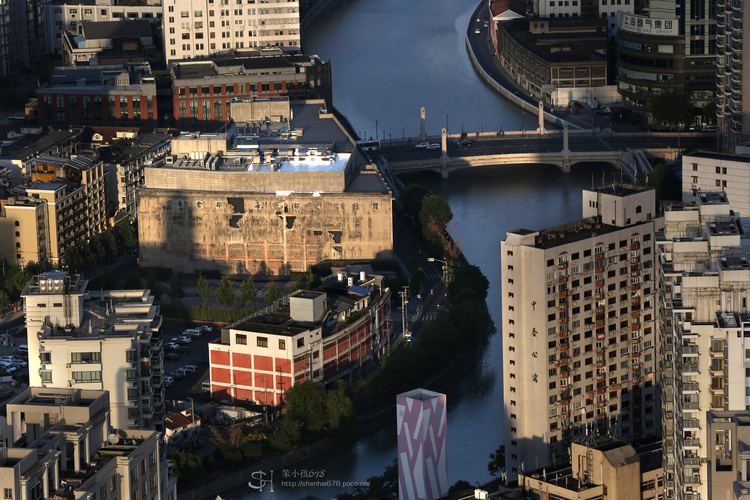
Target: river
<point>389,58</point>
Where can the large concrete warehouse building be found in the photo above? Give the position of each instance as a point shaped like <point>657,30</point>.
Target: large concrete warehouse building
<point>283,188</point>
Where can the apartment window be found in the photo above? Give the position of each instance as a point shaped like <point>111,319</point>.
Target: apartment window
<point>133,415</point>
<point>240,339</point>
<point>198,13</point>
<point>85,357</point>
<point>45,357</point>
<point>262,341</point>
<point>301,342</point>
<point>46,378</point>
<point>184,13</point>
<point>282,345</point>
<point>132,375</point>
<point>132,394</point>
<point>85,377</point>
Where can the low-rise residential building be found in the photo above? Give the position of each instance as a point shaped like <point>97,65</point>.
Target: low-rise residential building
<point>203,90</point>
<point>18,153</point>
<point>284,188</point>
<point>62,444</point>
<point>199,28</point>
<point>68,16</point>
<point>122,95</point>
<point>707,171</point>
<point>584,362</point>
<point>318,336</point>
<point>599,467</point>
<point>182,432</point>
<point>105,340</point>
<point>62,203</point>
<point>110,42</point>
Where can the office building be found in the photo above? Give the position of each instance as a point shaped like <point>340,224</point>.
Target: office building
<point>732,118</point>
<point>203,90</point>
<point>105,340</point>
<point>111,42</point>
<point>704,279</point>
<point>122,95</point>
<point>284,188</point>
<point>707,171</point>
<point>62,444</point>
<point>201,28</point>
<point>68,16</point>
<point>599,467</point>
<point>62,202</point>
<point>670,50</point>
<point>422,420</point>
<point>319,336</point>
<point>583,362</point>
<point>21,35</point>
<point>585,8</point>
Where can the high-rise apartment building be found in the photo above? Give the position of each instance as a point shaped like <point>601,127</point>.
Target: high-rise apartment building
<point>704,359</point>
<point>731,111</point>
<point>97,340</point>
<point>579,328</point>
<point>202,28</point>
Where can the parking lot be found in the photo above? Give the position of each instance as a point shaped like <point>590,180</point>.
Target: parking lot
<point>196,354</point>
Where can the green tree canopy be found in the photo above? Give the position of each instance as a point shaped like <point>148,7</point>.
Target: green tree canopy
<point>289,436</point>
<point>108,281</point>
<point>668,109</point>
<point>176,288</point>
<point>468,277</point>
<point>153,284</point>
<point>226,294</point>
<point>110,244</point>
<point>411,198</point>
<point>307,403</point>
<point>127,235</point>
<point>74,260</point>
<point>497,461</point>
<point>4,301</point>
<point>434,216</point>
<point>205,290</point>
<point>339,408</point>
<point>272,294</point>
<point>248,292</point>
<point>97,250</point>
<point>418,278</point>
<point>84,250</point>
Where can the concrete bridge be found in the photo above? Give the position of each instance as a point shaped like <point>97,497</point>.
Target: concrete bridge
<point>562,159</point>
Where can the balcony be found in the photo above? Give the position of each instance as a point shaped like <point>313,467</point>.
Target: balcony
<point>691,423</point>
<point>690,405</point>
<point>691,461</point>
<point>691,443</point>
<point>691,480</point>
<point>690,387</point>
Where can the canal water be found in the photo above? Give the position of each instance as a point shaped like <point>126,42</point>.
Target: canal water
<point>389,58</point>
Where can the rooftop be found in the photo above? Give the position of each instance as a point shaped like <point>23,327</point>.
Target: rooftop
<point>713,198</point>
<point>124,28</point>
<point>32,145</point>
<point>238,66</point>
<point>712,155</point>
<point>561,46</point>
<point>617,189</point>
<point>571,232</point>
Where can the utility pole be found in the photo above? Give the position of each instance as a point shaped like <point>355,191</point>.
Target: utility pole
<point>404,294</point>
<point>265,405</point>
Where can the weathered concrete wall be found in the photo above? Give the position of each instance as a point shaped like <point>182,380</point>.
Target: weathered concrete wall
<point>260,233</point>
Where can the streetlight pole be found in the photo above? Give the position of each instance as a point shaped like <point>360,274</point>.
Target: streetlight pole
<point>404,294</point>
<point>444,264</point>
<point>265,403</point>
<point>376,130</point>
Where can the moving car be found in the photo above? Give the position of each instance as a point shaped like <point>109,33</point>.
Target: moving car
<point>477,31</point>
<point>486,24</point>
<point>433,147</point>
<point>464,143</point>
<point>422,145</point>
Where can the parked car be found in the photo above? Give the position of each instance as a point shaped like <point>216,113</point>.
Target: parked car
<point>464,143</point>
<point>9,367</point>
<point>171,357</point>
<point>183,349</point>
<point>185,372</point>
<point>206,328</point>
<point>15,360</point>
<point>206,385</point>
<point>433,147</point>
<point>203,361</point>
<point>192,332</point>
<point>422,145</point>
<point>178,375</point>
<point>184,340</point>
<point>172,346</point>
<point>168,381</point>
<point>190,368</point>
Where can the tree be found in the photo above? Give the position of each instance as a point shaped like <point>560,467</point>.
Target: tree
<point>153,284</point>
<point>497,461</point>
<point>306,402</point>
<point>461,485</point>
<point>97,250</point>
<point>382,486</point>
<point>226,293</point>
<point>84,250</point>
<point>289,436</point>
<point>418,278</point>
<point>248,292</point>
<point>435,210</point>
<point>110,244</point>
<point>272,294</point>
<point>176,288</point>
<point>709,112</point>
<point>205,290</point>
<point>411,198</point>
<point>108,281</point>
<point>471,277</point>
<point>339,408</point>
<point>127,235</point>
<point>4,301</point>
<point>132,281</point>
<point>663,181</point>
<point>73,260</point>
<point>671,110</point>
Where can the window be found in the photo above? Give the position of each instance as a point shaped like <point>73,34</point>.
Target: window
<point>85,357</point>
<point>282,344</point>
<point>86,377</point>
<point>262,341</point>
<point>184,13</point>
<point>133,415</point>
<point>132,375</point>
<point>46,378</point>
<point>45,357</point>
<point>301,342</point>
<point>131,356</point>
<point>240,339</point>
<point>132,394</point>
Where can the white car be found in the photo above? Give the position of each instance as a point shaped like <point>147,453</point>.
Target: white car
<point>422,145</point>
<point>168,381</point>
<point>433,147</point>
<point>14,360</point>
<point>184,340</point>
<point>477,31</point>
<point>206,328</point>
<point>171,346</point>
<point>9,367</point>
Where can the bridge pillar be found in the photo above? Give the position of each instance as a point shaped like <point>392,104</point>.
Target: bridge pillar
<point>422,130</point>
<point>566,150</point>
<point>444,155</point>
<point>541,117</point>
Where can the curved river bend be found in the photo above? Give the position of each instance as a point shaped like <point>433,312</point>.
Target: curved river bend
<point>389,58</point>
